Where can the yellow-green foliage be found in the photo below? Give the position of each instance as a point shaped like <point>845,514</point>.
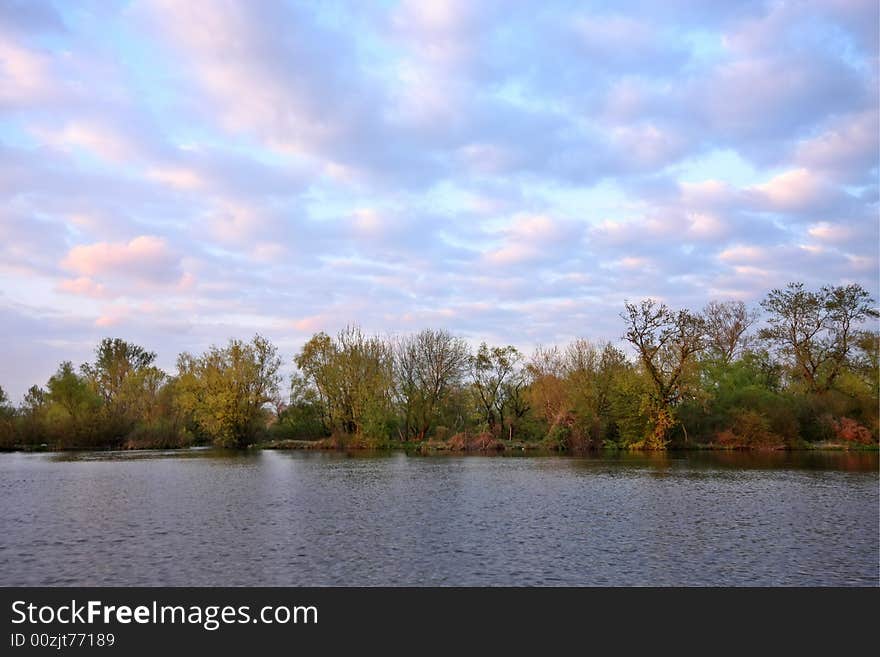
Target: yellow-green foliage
<point>353,376</point>
<point>226,388</point>
<point>810,375</point>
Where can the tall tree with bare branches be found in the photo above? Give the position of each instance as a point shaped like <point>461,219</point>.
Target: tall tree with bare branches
<point>667,343</point>
<point>428,366</point>
<point>727,326</point>
<point>815,331</point>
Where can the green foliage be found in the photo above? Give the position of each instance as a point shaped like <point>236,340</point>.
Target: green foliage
<point>752,382</point>
<point>302,418</point>
<point>31,417</point>
<point>498,382</point>
<point>225,389</point>
<point>749,428</point>
<point>7,417</point>
<point>629,403</point>
<point>71,394</point>
<point>695,379</point>
<point>114,373</point>
<point>72,417</point>
<point>353,379</point>
<point>815,332</point>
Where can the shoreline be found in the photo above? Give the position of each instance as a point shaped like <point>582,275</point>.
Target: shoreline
<point>516,447</point>
<point>441,448</point>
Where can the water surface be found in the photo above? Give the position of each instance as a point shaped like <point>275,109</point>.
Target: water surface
<point>213,518</point>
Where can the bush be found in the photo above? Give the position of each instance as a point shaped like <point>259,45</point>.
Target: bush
<point>458,442</point>
<point>481,442</point>
<point>750,429</point>
<point>850,431</point>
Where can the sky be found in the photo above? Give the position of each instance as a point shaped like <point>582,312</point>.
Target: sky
<point>180,173</point>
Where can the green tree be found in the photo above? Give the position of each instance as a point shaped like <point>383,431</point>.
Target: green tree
<point>72,393</point>
<point>7,416</point>
<point>124,377</point>
<point>354,378</point>
<point>302,416</point>
<point>590,373</point>
<point>5,406</point>
<point>746,391</point>
<point>73,409</point>
<point>32,415</point>
<point>317,362</point>
<point>867,362</point>
<point>815,331</point>
<point>630,407</point>
<point>226,388</point>
<point>495,376</point>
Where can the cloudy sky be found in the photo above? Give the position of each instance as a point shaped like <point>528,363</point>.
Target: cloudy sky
<point>177,173</point>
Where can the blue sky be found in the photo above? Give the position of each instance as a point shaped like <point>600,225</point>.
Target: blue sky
<point>178,173</point>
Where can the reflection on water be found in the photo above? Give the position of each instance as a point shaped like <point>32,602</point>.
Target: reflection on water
<point>213,517</point>
<point>212,453</point>
<point>766,460</point>
<point>855,461</point>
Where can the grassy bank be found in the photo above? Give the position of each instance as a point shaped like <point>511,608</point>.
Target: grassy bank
<point>520,446</point>
<point>478,444</point>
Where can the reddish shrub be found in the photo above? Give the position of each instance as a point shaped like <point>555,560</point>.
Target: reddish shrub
<point>482,442</point>
<point>750,429</point>
<point>458,442</point>
<point>485,442</point>
<point>849,430</point>
<point>728,439</point>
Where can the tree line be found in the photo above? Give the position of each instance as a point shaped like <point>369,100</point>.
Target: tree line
<point>715,377</point>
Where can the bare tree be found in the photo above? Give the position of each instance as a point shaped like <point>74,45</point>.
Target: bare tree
<point>727,325</point>
<point>427,367</point>
<point>815,331</point>
<point>667,342</point>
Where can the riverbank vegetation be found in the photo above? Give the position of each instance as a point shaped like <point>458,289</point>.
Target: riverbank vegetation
<point>799,371</point>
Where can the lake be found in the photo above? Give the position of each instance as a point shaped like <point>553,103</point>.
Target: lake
<point>206,517</point>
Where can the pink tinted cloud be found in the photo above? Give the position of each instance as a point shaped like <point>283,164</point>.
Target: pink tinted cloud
<point>830,233</point>
<point>846,148</point>
<point>146,259</point>
<point>674,224</point>
<point>83,286</point>
<point>743,254</point>
<point>108,320</point>
<point>795,190</point>
<point>532,237</point>
<point>310,324</point>
<point>711,194</point>
<point>184,178</point>
<point>24,74</point>
<point>513,253</point>
<point>438,30</point>
<point>93,136</point>
<point>647,145</point>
